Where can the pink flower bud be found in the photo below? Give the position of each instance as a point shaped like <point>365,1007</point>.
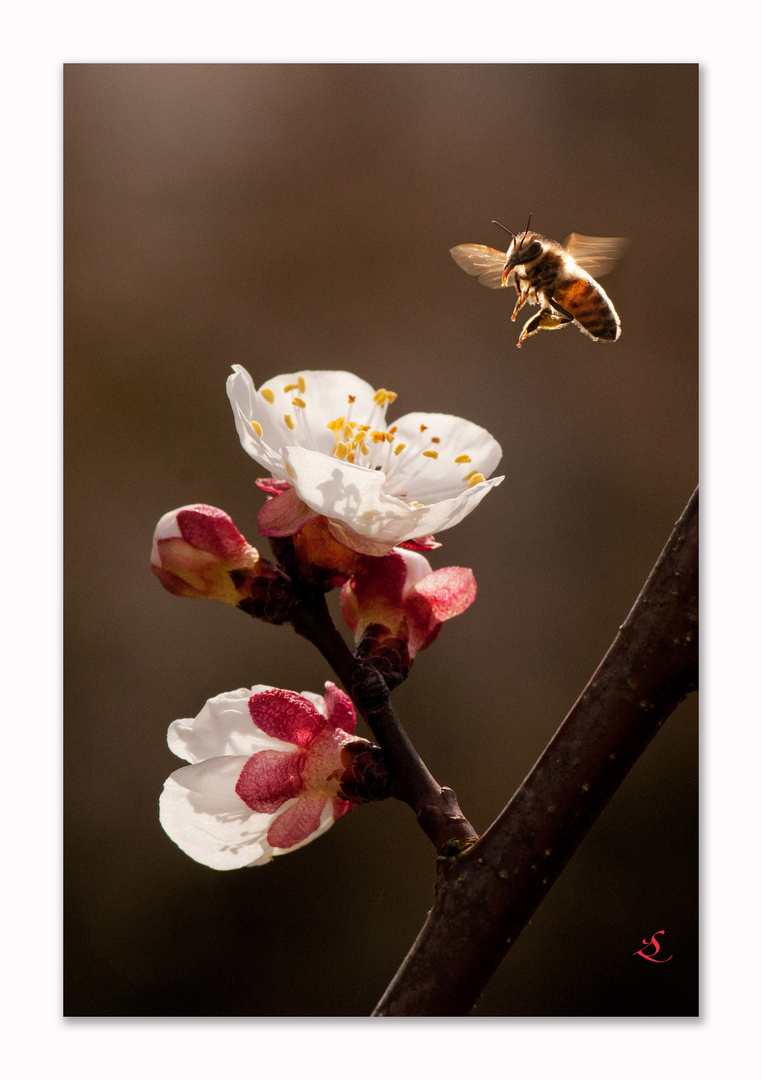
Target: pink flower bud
<point>399,598</point>
<point>198,552</point>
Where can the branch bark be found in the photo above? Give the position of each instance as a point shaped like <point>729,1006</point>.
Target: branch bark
<point>487,895</point>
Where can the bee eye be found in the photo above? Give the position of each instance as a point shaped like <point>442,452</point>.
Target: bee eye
<point>532,251</point>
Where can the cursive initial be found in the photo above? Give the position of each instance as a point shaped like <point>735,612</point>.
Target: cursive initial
<point>656,945</point>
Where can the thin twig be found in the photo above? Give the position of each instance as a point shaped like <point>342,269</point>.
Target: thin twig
<point>436,807</point>
<point>486,897</point>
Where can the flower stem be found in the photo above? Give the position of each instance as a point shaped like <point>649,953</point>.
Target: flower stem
<point>436,807</point>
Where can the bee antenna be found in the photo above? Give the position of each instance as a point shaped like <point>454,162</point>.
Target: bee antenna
<point>503,228</point>
<point>526,231</point>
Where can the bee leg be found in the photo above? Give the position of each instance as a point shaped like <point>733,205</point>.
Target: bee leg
<point>543,320</point>
<point>519,305</point>
<point>561,310</point>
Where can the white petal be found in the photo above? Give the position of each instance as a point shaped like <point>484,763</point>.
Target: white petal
<point>426,479</point>
<point>350,493</point>
<point>326,396</point>
<point>417,567</point>
<point>224,726</point>
<point>201,812</point>
<point>443,515</point>
<point>355,496</point>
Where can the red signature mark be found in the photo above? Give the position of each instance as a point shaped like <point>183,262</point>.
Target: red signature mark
<point>657,947</point>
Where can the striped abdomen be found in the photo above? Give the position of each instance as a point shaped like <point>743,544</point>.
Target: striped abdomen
<point>587,302</point>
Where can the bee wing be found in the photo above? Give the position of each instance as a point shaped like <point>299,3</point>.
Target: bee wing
<point>483,262</point>
<point>595,254</point>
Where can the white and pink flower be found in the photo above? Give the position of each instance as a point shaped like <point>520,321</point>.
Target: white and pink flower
<point>324,438</point>
<point>264,775</point>
<point>403,598</point>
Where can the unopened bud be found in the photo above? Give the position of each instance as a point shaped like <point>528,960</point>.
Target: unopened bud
<point>198,552</point>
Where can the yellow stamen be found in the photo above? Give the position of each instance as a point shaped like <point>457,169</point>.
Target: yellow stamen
<point>462,459</point>
<point>298,402</point>
<point>302,384</point>
<point>431,453</point>
<point>289,422</point>
<point>341,450</point>
<point>366,449</point>
<point>291,386</point>
<point>257,427</point>
<point>476,478</point>
<point>268,395</point>
<point>351,398</point>
<point>399,448</point>
<point>424,427</point>
<point>384,397</point>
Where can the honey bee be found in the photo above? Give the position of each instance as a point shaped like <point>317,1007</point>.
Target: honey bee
<point>556,276</point>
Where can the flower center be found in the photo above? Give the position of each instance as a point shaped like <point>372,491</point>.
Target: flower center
<point>373,445</point>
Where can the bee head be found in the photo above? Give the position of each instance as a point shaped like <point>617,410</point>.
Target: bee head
<point>523,248</point>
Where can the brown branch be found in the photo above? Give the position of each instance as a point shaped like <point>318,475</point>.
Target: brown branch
<point>436,807</point>
<point>486,897</point>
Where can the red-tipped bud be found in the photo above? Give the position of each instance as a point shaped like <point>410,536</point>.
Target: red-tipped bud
<point>198,552</point>
<point>400,599</point>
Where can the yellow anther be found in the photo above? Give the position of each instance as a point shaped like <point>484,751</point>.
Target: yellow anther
<point>435,439</point>
<point>294,386</point>
<point>462,459</point>
<point>351,456</point>
<point>384,397</point>
<point>424,427</point>
<point>467,478</point>
<point>290,470</point>
<point>351,398</point>
<point>365,449</point>
<point>399,448</point>
<point>416,504</point>
<point>431,453</point>
<point>341,450</point>
<point>363,427</point>
<point>257,427</point>
<point>298,402</point>
<point>476,478</point>
<point>268,395</point>
<point>393,430</point>
<point>302,384</point>
<point>389,436</point>
<point>289,422</point>
<point>378,436</point>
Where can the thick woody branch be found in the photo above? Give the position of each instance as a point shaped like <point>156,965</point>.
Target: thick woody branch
<point>487,896</point>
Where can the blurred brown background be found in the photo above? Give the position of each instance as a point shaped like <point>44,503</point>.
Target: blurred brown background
<point>300,216</point>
